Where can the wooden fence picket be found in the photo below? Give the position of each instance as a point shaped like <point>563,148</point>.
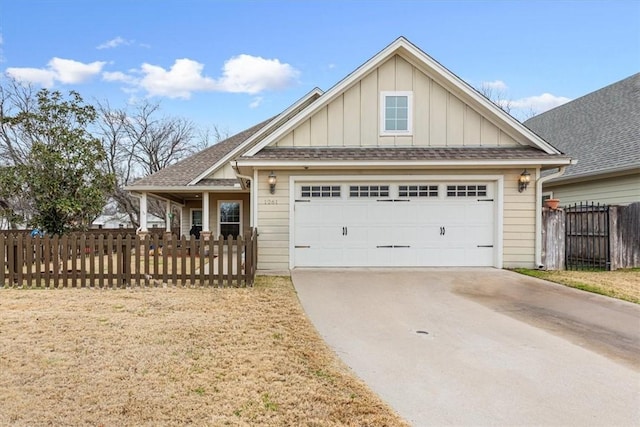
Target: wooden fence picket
<point>117,261</point>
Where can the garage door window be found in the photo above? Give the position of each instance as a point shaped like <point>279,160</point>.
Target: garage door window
<point>312,191</point>
<point>466,190</point>
<point>418,190</point>
<point>369,191</point>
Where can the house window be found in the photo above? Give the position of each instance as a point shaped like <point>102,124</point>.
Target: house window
<point>369,191</point>
<point>395,113</point>
<point>418,191</point>
<point>196,217</point>
<point>314,191</point>
<point>230,218</point>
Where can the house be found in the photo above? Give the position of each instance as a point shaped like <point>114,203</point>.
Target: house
<point>401,163</point>
<point>602,131</point>
<point>122,220</point>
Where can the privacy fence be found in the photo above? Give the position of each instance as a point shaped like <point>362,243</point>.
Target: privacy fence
<point>591,236</point>
<point>108,261</point>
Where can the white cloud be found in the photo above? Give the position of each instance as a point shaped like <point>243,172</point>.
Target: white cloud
<point>69,71</point>
<point>539,103</point>
<point>253,74</point>
<point>241,74</point>
<point>184,77</point>
<point>65,71</point>
<point>496,85</point>
<point>110,44</point>
<point>256,102</point>
<point>118,76</point>
<point>42,77</point>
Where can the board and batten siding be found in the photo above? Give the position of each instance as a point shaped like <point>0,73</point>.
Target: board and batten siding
<point>440,118</point>
<point>518,235</point>
<point>225,172</point>
<point>620,190</point>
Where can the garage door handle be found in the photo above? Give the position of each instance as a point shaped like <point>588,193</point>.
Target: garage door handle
<point>442,231</point>
<point>485,246</point>
<point>302,247</point>
<point>384,246</point>
<point>345,231</point>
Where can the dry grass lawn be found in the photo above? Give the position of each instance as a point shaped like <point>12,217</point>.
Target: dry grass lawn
<point>621,284</point>
<point>173,356</point>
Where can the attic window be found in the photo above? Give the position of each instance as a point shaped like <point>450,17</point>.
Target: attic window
<point>395,113</point>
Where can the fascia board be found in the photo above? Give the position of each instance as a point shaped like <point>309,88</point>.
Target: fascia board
<point>179,190</point>
<point>278,164</point>
<point>418,58</point>
<point>601,174</point>
<point>233,153</point>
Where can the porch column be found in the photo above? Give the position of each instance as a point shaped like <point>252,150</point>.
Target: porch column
<point>167,220</point>
<point>206,230</point>
<point>143,213</point>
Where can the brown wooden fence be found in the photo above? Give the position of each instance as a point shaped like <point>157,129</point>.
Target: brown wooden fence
<point>591,236</point>
<point>126,261</point>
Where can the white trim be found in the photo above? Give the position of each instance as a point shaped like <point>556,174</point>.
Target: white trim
<point>341,164</point>
<point>254,200</point>
<point>383,113</point>
<point>497,180</point>
<point>206,212</point>
<point>219,216</point>
<point>315,92</point>
<point>420,59</point>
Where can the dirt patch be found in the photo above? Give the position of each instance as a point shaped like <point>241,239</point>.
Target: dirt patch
<point>173,356</point>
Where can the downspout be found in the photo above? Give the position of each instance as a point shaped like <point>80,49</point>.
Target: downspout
<point>250,179</point>
<point>539,182</point>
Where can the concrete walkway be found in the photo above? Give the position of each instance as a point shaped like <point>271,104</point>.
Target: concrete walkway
<point>480,346</point>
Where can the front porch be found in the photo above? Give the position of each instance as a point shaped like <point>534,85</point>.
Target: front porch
<point>203,214</point>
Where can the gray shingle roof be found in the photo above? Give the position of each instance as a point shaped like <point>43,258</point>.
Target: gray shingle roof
<point>402,154</point>
<point>601,130</point>
<point>183,172</point>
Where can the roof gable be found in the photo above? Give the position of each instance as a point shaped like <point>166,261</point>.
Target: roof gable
<point>186,170</point>
<point>601,129</point>
<point>402,48</point>
<point>197,168</point>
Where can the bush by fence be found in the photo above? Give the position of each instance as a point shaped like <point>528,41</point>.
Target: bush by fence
<point>126,260</point>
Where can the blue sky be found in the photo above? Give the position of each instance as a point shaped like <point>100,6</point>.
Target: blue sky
<point>235,63</point>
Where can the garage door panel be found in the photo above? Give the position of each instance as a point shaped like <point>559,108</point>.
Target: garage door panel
<point>423,231</point>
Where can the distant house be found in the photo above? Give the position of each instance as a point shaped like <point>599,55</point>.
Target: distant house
<point>602,131</point>
<point>399,164</point>
<point>121,220</point>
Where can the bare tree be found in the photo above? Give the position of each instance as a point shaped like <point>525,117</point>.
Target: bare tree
<point>141,141</point>
<point>497,96</point>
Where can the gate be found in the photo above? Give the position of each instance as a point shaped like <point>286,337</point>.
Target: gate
<point>587,237</point>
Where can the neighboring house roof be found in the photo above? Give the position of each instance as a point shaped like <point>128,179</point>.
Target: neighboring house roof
<point>183,172</point>
<point>601,130</point>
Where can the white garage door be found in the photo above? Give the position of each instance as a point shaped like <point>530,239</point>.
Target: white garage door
<point>394,224</point>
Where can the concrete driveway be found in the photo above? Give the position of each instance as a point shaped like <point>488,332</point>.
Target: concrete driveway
<point>480,346</point>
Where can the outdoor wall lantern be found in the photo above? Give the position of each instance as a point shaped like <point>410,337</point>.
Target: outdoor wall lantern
<point>272,182</point>
<point>523,180</point>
